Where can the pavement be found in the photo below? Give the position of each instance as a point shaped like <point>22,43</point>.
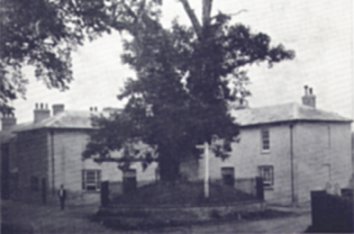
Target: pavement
<point>37,219</point>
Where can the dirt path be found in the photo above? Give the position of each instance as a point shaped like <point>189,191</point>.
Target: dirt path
<point>27,218</point>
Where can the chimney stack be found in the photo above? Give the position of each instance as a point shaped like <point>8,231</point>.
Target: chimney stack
<point>41,112</point>
<point>8,121</point>
<point>58,108</point>
<point>309,98</point>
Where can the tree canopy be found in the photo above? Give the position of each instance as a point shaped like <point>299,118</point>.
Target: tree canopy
<point>187,77</point>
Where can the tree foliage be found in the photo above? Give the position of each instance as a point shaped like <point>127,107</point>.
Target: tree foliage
<point>187,77</point>
<point>43,33</point>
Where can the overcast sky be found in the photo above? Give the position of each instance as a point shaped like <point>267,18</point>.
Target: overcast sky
<point>320,32</point>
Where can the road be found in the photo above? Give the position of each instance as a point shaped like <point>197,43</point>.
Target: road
<point>28,218</point>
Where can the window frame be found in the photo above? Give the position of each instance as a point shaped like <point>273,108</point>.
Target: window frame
<point>265,140</point>
<point>91,186</point>
<point>268,183</point>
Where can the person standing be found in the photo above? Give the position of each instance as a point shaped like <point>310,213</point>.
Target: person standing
<point>62,197</point>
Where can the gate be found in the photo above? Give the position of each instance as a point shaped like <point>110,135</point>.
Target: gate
<point>129,181</point>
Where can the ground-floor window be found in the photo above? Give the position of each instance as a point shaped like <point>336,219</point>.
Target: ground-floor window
<point>91,180</point>
<point>266,172</point>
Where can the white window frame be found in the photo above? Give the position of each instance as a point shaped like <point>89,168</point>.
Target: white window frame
<point>268,180</point>
<point>265,140</point>
<point>94,185</point>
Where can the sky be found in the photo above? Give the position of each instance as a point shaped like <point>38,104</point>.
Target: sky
<point>320,32</point>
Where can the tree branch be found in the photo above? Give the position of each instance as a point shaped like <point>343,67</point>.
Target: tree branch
<point>207,4</point>
<point>196,25</point>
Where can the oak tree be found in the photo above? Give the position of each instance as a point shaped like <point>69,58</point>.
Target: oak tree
<point>186,79</point>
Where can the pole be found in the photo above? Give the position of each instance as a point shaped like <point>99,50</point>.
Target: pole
<point>293,198</point>
<point>206,170</point>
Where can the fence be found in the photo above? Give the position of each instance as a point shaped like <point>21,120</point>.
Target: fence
<point>331,213</point>
<point>249,186</point>
<point>252,186</point>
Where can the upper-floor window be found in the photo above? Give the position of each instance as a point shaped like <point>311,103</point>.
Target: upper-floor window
<point>91,180</point>
<point>265,139</point>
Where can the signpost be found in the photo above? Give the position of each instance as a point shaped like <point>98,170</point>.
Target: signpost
<point>205,147</point>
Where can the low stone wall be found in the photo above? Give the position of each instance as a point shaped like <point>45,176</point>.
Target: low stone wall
<point>136,217</point>
<point>73,197</point>
<point>246,185</point>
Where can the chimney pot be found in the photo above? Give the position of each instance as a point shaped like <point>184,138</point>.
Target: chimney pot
<point>309,99</point>
<point>306,89</point>
<point>8,121</point>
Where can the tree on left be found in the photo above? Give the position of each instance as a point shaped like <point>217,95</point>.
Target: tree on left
<point>42,34</point>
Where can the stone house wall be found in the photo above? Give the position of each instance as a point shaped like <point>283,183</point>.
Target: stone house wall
<point>310,151</point>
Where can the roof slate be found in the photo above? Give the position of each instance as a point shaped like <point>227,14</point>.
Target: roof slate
<point>284,113</point>
<point>64,120</point>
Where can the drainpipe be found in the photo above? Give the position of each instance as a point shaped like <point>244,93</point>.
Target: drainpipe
<point>52,159</point>
<point>293,199</point>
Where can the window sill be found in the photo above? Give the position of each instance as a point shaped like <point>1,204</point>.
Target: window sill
<point>91,191</point>
<point>268,188</point>
<point>265,152</point>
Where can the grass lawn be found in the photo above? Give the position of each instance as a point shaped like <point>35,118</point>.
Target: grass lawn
<point>182,193</point>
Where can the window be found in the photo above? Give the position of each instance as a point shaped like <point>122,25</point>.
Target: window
<point>267,174</point>
<point>34,183</point>
<point>91,180</point>
<point>265,140</point>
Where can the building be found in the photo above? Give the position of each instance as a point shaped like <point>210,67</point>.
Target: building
<point>295,148</point>
<point>40,156</point>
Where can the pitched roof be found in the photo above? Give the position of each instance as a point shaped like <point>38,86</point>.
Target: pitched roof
<point>284,113</point>
<point>64,120</point>
<point>245,117</point>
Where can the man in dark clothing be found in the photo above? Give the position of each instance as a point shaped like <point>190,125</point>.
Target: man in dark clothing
<point>62,197</point>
